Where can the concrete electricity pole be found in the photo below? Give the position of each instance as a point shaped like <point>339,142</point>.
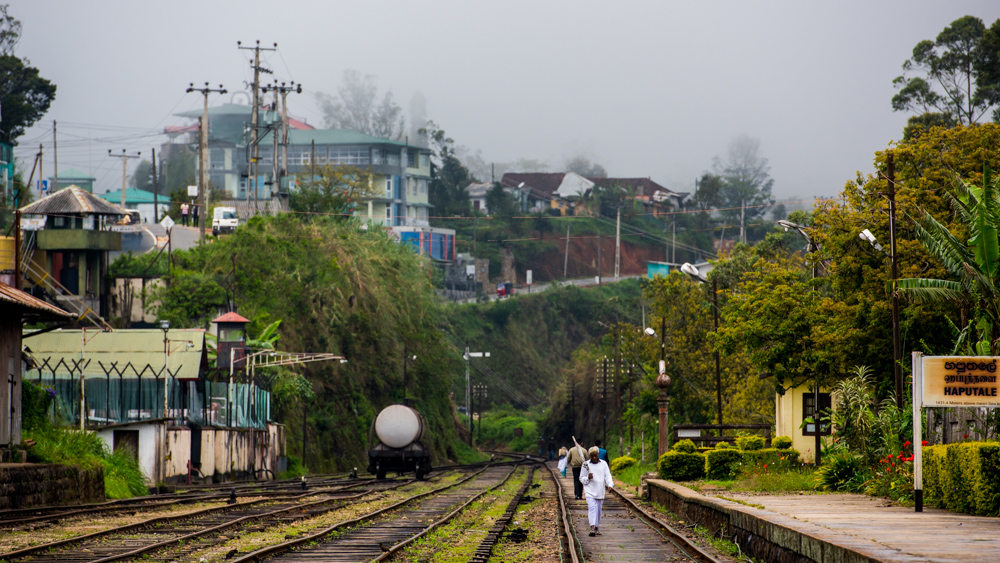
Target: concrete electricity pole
<point>281,167</point>
<point>55,159</point>
<point>252,147</point>
<point>124,158</point>
<point>203,154</point>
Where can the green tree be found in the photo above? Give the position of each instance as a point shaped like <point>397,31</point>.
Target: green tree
<point>449,177</point>
<point>946,74</point>
<point>24,97</point>
<point>357,107</point>
<point>334,190</point>
<point>142,176</point>
<point>10,31</point>
<point>987,66</point>
<point>177,171</point>
<point>500,204</point>
<point>747,180</point>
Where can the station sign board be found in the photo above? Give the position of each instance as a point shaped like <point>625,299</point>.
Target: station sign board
<point>960,381</point>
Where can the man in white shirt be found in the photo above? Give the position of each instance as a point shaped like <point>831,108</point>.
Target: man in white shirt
<point>596,478</point>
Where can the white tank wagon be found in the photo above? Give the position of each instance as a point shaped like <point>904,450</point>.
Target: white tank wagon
<point>396,433</point>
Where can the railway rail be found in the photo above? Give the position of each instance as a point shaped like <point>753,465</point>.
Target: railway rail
<point>381,534</point>
<point>160,533</point>
<point>629,532</point>
<point>30,516</point>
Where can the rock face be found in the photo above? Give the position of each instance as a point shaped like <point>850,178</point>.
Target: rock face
<point>28,485</point>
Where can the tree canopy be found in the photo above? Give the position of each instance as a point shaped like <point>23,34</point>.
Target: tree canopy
<point>24,97</point>
<point>449,177</point>
<point>357,107</point>
<point>333,190</point>
<point>956,75</point>
<point>746,178</point>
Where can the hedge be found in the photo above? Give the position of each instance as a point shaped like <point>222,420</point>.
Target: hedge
<point>680,466</point>
<point>749,443</point>
<point>962,477</point>
<point>772,457</point>
<point>723,464</point>
<point>620,463</point>
<point>781,442</point>
<point>685,446</point>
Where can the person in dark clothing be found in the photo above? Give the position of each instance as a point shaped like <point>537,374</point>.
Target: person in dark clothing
<point>601,452</point>
<point>552,449</point>
<point>541,446</point>
<point>576,459</point>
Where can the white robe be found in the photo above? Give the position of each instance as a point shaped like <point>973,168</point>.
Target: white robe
<point>563,461</point>
<point>594,488</point>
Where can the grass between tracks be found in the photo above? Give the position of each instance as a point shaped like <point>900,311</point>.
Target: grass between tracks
<point>273,533</point>
<point>458,539</point>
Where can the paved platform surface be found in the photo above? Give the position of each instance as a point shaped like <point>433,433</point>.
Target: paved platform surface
<point>875,528</point>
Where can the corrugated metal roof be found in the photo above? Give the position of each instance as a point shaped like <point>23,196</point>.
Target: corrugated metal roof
<point>72,200</point>
<point>21,299</point>
<point>231,317</point>
<point>134,196</point>
<point>141,347</point>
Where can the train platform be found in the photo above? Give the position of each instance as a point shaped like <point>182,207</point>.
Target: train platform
<point>834,528</point>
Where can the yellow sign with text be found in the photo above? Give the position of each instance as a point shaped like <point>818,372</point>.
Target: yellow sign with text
<point>960,381</point>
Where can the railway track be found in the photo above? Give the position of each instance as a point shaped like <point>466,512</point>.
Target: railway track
<point>42,515</point>
<point>195,530</point>
<point>629,532</point>
<point>381,534</point>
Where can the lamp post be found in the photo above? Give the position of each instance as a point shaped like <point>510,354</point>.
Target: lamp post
<point>817,428</point>
<point>662,381</point>
<point>164,326</point>
<point>693,272</point>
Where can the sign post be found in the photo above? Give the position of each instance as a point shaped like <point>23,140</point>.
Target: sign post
<point>528,280</point>
<point>948,381</point>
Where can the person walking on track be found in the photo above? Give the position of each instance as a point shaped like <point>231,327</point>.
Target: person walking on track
<point>596,478</point>
<point>576,459</point>
<point>563,460</point>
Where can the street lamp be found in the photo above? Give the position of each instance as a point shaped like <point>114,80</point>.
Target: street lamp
<point>690,269</point>
<point>164,326</point>
<point>894,275</point>
<point>662,381</point>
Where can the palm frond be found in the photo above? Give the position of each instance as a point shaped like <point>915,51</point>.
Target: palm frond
<point>925,290</point>
<point>939,241</point>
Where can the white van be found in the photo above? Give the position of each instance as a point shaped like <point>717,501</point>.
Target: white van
<point>224,220</point>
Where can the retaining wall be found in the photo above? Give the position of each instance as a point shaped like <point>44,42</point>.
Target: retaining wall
<point>776,538</point>
<point>28,485</point>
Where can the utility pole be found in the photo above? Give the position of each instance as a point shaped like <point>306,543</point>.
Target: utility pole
<point>896,347</point>
<point>618,392</point>
<point>604,402</point>
<point>718,376</point>
<point>598,259</point>
<point>618,242</point>
<point>252,147</point>
<point>124,158</point>
<point>743,233</point>
<point>281,167</point>
<point>566,258</point>
<point>55,160</point>
<point>156,195</point>
<point>41,175</point>
<point>673,243</point>
<point>203,153</point>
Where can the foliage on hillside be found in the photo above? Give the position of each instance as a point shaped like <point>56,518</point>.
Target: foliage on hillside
<point>531,337</point>
<point>337,288</point>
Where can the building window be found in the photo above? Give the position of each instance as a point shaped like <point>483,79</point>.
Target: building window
<point>413,185</point>
<point>388,187</point>
<point>392,158</point>
<point>423,186</point>
<point>808,410</point>
<point>349,155</point>
<point>425,161</point>
<point>411,159</point>
<point>388,213</point>
<point>376,156</point>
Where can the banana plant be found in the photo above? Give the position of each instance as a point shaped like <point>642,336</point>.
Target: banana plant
<point>973,263</point>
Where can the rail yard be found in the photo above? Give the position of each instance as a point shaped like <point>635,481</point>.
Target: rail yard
<point>474,512</point>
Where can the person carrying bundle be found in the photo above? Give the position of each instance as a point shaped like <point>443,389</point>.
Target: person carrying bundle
<point>595,476</point>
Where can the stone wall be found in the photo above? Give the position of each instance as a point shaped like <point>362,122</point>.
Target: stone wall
<point>27,485</point>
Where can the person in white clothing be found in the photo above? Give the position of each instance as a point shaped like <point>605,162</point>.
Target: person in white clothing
<point>563,460</point>
<point>596,478</point>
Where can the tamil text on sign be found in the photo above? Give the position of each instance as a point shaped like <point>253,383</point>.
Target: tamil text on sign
<point>957,381</point>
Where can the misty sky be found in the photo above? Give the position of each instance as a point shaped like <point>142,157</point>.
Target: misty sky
<point>645,88</point>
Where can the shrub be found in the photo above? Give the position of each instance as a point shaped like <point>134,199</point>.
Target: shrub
<point>837,471</point>
<point>770,460</point>
<point>620,463</point>
<point>722,463</point>
<point>680,466</point>
<point>781,442</point>
<point>750,443</point>
<point>35,404</point>
<point>723,446</point>
<point>685,446</point>
<point>935,474</point>
<point>969,478</point>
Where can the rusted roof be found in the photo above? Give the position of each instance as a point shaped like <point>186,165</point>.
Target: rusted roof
<point>72,200</point>
<point>231,317</point>
<point>18,298</point>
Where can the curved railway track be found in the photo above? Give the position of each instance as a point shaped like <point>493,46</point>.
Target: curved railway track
<point>629,532</point>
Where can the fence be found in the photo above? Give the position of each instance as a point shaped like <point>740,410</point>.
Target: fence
<point>129,394</point>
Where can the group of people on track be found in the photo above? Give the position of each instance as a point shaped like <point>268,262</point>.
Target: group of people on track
<point>591,477</point>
